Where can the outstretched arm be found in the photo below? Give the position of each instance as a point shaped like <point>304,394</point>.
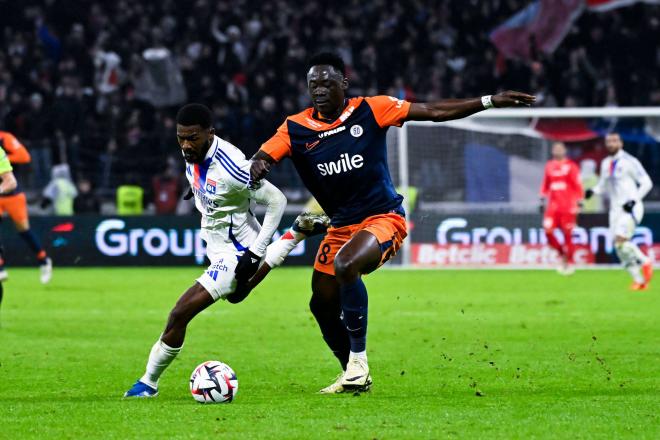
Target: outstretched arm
<point>448,109</point>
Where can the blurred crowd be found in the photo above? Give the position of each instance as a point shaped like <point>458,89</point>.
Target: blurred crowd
<point>96,84</point>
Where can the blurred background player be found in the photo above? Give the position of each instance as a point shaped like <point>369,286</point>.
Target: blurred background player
<point>7,185</point>
<point>14,203</point>
<point>338,148</point>
<point>562,190</point>
<point>625,182</point>
<point>219,177</point>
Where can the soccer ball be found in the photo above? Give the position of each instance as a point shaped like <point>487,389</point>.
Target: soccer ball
<point>213,382</point>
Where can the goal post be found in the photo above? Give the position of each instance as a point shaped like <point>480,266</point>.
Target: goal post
<point>471,186</point>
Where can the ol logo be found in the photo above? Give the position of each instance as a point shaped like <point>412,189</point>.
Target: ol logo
<point>356,131</point>
<point>210,186</point>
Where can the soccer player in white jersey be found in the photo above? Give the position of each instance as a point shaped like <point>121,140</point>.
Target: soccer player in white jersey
<point>218,174</point>
<point>625,182</point>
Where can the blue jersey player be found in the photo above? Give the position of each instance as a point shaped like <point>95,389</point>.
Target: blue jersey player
<point>338,148</point>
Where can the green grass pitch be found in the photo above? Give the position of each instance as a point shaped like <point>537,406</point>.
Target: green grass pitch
<point>454,354</point>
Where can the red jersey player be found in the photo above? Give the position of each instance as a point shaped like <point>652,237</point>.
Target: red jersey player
<point>562,188</point>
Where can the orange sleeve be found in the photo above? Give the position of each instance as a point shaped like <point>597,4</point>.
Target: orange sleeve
<point>278,146</point>
<point>388,110</point>
<point>16,152</point>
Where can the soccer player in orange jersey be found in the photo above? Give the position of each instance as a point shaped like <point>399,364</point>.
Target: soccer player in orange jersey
<point>14,204</point>
<point>562,189</point>
<point>338,148</point>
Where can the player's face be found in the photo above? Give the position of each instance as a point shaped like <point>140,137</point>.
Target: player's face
<point>194,141</point>
<point>327,88</point>
<point>558,151</point>
<point>613,143</point>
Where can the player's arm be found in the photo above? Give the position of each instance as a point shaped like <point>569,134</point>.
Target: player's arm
<point>275,203</point>
<point>272,151</point>
<point>16,151</point>
<point>7,182</point>
<point>644,182</point>
<point>267,194</point>
<point>7,179</point>
<point>600,186</point>
<point>448,109</point>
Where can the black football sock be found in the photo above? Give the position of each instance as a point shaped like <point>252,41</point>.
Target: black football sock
<point>33,242</point>
<point>327,313</point>
<point>354,304</point>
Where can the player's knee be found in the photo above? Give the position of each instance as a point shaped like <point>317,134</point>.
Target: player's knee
<point>345,268</point>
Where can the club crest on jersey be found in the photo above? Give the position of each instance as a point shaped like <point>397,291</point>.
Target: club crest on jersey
<point>210,186</point>
<point>356,130</point>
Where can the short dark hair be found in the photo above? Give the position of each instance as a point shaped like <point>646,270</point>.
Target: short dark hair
<point>327,58</point>
<point>194,114</point>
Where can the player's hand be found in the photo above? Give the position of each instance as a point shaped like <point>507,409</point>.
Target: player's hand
<point>628,206</point>
<point>588,194</point>
<point>188,195</point>
<point>247,266</point>
<point>259,169</point>
<point>513,99</point>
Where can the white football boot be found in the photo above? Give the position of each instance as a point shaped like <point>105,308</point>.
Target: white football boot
<point>357,373</point>
<point>46,271</point>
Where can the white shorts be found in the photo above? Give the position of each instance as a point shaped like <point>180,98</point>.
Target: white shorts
<point>623,224</point>
<point>218,279</point>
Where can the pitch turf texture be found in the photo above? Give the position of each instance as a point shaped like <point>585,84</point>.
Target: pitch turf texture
<point>465,354</point>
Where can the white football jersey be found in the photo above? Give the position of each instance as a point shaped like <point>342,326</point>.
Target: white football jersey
<point>221,185</point>
<point>623,178</point>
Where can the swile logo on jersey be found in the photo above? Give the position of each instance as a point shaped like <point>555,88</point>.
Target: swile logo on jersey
<point>344,164</point>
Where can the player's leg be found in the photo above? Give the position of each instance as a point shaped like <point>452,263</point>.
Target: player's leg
<point>566,227</point>
<point>377,239</point>
<point>549,224</point>
<point>304,226</point>
<point>168,346</point>
<point>325,305</point>
<point>631,257</point>
<point>215,283</point>
<point>17,209</point>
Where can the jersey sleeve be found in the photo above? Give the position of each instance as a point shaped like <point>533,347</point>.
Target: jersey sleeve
<point>389,111</point>
<point>545,183</point>
<point>5,166</point>
<point>237,166</point>
<point>278,146</point>
<point>16,151</point>
<point>644,183</point>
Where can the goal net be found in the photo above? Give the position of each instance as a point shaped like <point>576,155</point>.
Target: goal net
<point>472,185</point>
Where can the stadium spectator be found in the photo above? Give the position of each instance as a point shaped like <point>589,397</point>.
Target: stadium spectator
<point>112,72</point>
<point>166,189</point>
<point>86,202</point>
<point>60,191</point>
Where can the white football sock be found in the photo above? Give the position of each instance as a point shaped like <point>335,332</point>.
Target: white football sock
<point>638,252</point>
<point>628,256</point>
<point>278,250</point>
<point>160,357</point>
<point>359,355</point>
